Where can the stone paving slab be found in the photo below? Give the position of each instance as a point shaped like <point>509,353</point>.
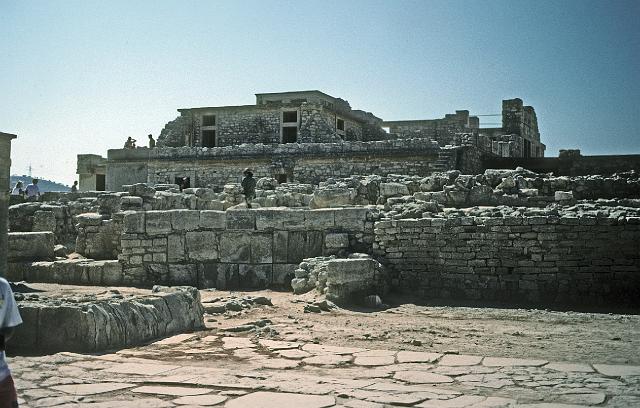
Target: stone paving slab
<point>249,372</point>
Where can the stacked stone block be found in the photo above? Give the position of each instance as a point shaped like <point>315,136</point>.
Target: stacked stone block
<point>546,259</point>
<point>237,248</point>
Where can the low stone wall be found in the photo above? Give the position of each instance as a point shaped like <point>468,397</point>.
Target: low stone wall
<point>237,248</point>
<point>31,246</point>
<point>68,272</point>
<point>582,260</point>
<point>107,321</point>
<point>576,165</point>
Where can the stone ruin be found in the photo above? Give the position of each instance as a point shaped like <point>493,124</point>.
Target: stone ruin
<point>351,213</point>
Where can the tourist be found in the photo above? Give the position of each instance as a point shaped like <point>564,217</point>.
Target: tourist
<point>152,142</point>
<point>9,318</point>
<point>130,143</point>
<point>32,191</point>
<point>74,187</point>
<point>18,189</point>
<point>185,183</point>
<point>248,186</point>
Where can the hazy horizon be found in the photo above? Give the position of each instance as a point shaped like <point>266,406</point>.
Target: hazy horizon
<point>84,75</point>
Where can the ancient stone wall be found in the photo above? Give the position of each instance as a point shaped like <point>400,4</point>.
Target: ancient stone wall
<point>5,165</point>
<point>237,248</point>
<point>575,165</point>
<point>305,163</point>
<point>584,260</point>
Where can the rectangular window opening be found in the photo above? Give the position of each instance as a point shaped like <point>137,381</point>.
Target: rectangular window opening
<point>290,117</point>
<point>208,138</point>
<point>289,134</point>
<point>340,124</point>
<point>208,120</point>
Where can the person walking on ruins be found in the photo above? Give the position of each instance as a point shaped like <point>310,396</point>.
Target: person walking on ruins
<point>33,191</point>
<point>18,190</point>
<point>152,142</point>
<point>130,143</point>
<point>248,186</point>
<point>9,319</point>
<point>74,187</point>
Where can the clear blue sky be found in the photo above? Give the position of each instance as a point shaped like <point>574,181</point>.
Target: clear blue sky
<point>81,76</point>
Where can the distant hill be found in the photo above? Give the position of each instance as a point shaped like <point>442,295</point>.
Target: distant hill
<point>44,185</point>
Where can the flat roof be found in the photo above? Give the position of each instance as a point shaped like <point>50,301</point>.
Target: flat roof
<point>315,91</point>
<point>8,135</point>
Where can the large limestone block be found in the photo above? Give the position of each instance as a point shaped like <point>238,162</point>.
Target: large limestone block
<point>282,275</point>
<point>340,271</point>
<point>210,219</point>
<point>351,219</point>
<point>280,246</point>
<point>175,248</point>
<point>313,244</point>
<point>202,245</point>
<point>319,220</point>
<point>262,248</point>
<point>393,189</point>
<point>332,197</point>
<point>241,220</point>
<point>133,222</point>
<point>180,274</point>
<point>31,246</point>
<point>269,219</point>
<point>185,220</point>
<point>293,219</point>
<point>89,219</point>
<point>296,246</point>
<point>235,247</point>
<point>158,222</point>
<point>255,276</point>
<point>336,240</point>
<point>44,221</point>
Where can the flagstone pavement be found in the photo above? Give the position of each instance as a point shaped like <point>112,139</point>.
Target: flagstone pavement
<point>197,370</point>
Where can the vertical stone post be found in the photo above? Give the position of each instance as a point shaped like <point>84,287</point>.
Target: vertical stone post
<point>5,168</point>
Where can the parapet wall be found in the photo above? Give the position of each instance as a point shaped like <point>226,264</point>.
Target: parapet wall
<point>237,248</point>
<point>582,260</point>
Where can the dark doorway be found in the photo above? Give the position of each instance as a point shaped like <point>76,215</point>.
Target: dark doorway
<point>527,149</point>
<point>208,138</point>
<point>282,178</point>
<point>101,183</point>
<point>289,134</point>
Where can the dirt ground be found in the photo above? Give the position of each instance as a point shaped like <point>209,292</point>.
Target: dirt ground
<point>529,333</point>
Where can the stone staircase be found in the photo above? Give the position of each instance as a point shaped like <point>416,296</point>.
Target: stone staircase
<point>446,160</point>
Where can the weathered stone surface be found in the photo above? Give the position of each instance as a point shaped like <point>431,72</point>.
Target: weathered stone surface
<point>170,390</point>
<point>421,377</point>
<point>264,399</point>
<point>504,362</point>
<point>158,222</point>
<point>417,357</point>
<point>91,389</point>
<point>336,241</point>
<point>185,220</point>
<point>617,370</point>
<point>459,360</point>
<point>104,323</point>
<point>202,245</point>
<point>31,246</point>
<point>201,400</point>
